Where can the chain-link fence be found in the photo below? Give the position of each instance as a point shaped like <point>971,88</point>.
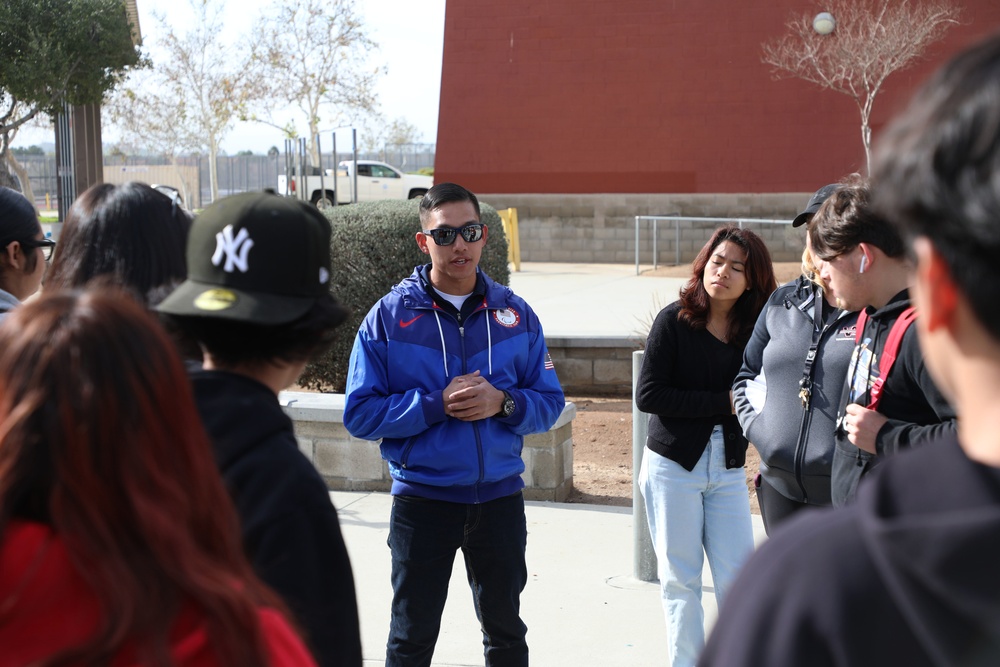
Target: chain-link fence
<point>236,173</point>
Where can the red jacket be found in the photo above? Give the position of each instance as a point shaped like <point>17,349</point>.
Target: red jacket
<point>46,606</point>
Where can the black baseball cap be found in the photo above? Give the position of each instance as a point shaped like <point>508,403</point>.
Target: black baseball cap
<point>255,257</point>
<point>814,203</point>
<point>18,220</point>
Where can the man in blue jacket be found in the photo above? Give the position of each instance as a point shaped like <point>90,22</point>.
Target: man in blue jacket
<point>451,371</point>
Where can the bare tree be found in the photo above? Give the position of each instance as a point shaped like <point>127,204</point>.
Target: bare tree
<point>14,171</point>
<point>376,132</point>
<point>198,87</point>
<point>151,123</point>
<point>402,131</point>
<point>14,109</point>
<point>872,39</point>
<point>316,51</point>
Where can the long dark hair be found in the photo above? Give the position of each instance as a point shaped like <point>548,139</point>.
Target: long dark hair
<point>100,440</point>
<point>760,279</point>
<point>130,232</point>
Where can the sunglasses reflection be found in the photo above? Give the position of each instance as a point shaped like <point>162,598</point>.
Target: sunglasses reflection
<point>447,235</point>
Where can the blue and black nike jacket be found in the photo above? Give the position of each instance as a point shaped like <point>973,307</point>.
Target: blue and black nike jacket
<point>407,351</point>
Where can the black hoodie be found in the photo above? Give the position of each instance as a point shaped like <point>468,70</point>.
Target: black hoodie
<point>290,528</point>
<point>906,575</point>
<point>916,410</point>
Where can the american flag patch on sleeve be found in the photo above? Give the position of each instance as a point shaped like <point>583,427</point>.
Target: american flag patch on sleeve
<point>549,366</point>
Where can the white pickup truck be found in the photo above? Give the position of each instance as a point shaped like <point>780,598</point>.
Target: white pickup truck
<point>376,180</point>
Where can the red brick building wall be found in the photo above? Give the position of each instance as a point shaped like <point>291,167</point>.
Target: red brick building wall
<point>567,96</point>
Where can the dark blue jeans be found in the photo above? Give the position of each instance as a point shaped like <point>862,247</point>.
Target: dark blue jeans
<point>424,536</point>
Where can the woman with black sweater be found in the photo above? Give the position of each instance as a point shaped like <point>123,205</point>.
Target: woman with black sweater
<point>692,475</point>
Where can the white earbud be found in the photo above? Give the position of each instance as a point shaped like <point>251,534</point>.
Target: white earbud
<point>864,263</point>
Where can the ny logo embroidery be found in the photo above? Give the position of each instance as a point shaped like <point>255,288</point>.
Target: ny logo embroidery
<point>235,249</point>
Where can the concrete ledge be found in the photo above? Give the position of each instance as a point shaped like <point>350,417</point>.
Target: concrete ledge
<point>350,464</point>
<point>596,365</point>
<point>593,341</point>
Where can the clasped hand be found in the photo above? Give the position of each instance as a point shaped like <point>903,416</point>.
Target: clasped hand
<point>862,426</point>
<point>471,397</point>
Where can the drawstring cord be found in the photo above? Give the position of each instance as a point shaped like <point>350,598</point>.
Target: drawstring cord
<point>489,343</point>
<point>444,352</point>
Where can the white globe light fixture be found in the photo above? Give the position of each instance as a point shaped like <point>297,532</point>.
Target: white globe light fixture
<point>824,23</point>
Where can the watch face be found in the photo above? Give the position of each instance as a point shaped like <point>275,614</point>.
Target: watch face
<point>508,406</point>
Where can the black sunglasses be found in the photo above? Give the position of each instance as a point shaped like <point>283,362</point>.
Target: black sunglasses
<point>471,232</point>
<point>47,246</point>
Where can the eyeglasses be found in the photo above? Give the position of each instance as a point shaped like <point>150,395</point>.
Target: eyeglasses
<point>471,232</point>
<point>47,246</point>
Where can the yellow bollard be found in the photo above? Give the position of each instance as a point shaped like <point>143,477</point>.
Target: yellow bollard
<point>509,218</point>
<point>48,202</point>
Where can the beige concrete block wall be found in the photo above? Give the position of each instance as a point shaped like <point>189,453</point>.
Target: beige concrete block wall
<point>349,464</point>
<point>600,228</point>
<point>597,365</point>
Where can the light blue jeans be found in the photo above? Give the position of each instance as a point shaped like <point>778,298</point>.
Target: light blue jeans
<point>690,514</point>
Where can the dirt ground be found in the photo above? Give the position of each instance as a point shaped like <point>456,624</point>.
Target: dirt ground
<point>602,433</point>
<point>602,453</point>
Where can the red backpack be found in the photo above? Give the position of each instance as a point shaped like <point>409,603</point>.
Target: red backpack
<point>889,352</point>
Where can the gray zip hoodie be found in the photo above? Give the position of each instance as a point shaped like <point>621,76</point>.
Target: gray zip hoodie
<point>795,440</point>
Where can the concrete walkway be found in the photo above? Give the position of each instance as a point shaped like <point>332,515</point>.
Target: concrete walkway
<point>592,300</point>
<point>582,605</point>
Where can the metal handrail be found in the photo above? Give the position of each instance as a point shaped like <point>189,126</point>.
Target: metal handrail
<point>677,219</point>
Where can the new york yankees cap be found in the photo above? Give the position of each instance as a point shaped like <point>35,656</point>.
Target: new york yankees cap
<point>255,257</point>
<point>814,203</point>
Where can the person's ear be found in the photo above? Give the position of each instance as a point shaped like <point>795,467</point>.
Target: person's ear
<point>486,234</point>
<point>14,255</point>
<point>940,302</point>
<point>422,242</point>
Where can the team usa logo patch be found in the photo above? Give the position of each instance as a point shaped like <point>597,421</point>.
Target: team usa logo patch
<point>507,317</point>
<point>549,365</point>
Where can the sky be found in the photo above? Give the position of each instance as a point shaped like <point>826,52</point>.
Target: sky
<point>410,35</point>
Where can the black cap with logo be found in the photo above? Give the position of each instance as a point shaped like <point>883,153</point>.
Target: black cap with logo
<point>255,257</point>
<point>814,203</point>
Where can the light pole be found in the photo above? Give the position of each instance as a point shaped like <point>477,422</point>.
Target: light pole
<point>824,23</point>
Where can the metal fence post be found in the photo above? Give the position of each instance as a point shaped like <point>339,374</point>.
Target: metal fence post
<point>643,556</point>
<point>677,242</point>
<point>637,245</point>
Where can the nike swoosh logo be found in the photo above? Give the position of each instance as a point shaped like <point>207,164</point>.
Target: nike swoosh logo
<point>409,322</point>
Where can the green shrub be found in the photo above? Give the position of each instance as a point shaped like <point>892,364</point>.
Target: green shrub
<point>372,249</point>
